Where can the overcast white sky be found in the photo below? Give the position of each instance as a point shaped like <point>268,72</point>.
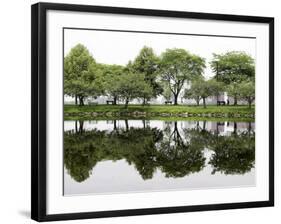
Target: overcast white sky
<point>119,47</point>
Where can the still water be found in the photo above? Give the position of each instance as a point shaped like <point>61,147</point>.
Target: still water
<point>120,156</point>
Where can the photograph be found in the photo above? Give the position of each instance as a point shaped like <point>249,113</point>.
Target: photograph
<point>140,111</point>
<point>153,111</point>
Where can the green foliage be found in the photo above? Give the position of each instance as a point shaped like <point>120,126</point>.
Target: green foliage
<point>234,154</point>
<point>214,87</point>
<point>110,77</point>
<point>79,74</point>
<point>234,66</point>
<point>195,92</point>
<point>147,149</point>
<point>243,91</point>
<point>147,63</point>
<point>167,93</point>
<point>233,91</point>
<point>131,86</point>
<point>202,89</point>
<point>84,78</point>
<point>84,149</point>
<point>179,158</point>
<point>247,92</point>
<point>177,66</point>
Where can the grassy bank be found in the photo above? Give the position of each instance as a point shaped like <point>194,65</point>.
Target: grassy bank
<point>164,111</point>
<point>215,119</point>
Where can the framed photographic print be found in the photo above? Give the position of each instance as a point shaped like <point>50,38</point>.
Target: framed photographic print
<point>140,111</point>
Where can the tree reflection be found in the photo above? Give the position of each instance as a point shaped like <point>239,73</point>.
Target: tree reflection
<point>82,150</point>
<point>177,157</point>
<point>233,154</point>
<point>81,154</point>
<point>176,151</point>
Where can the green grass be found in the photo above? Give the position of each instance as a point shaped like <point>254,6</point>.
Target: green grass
<point>173,118</point>
<point>159,109</point>
<point>167,111</point>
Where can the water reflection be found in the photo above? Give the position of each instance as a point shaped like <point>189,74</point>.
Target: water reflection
<point>175,148</point>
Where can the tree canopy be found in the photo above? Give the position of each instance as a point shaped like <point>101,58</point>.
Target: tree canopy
<point>110,77</point>
<point>202,89</point>
<point>147,63</point>
<point>148,76</point>
<point>177,66</point>
<point>79,74</point>
<point>176,153</point>
<point>194,92</point>
<point>131,86</point>
<point>247,92</point>
<point>234,66</point>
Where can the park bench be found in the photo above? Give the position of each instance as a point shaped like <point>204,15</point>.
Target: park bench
<point>220,102</point>
<point>110,102</point>
<point>168,102</point>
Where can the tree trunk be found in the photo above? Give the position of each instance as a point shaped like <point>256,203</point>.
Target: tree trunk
<point>197,125</point>
<point>76,101</point>
<point>144,124</point>
<point>143,102</point>
<point>81,126</point>
<point>115,100</point>
<point>176,132</point>
<point>76,129</point>
<point>204,102</point>
<point>127,125</point>
<point>235,101</point>
<point>114,125</point>
<point>250,103</point>
<point>249,127</point>
<point>197,101</point>
<point>235,128</point>
<point>176,99</point>
<point>126,103</point>
<point>176,135</point>
<point>81,101</point>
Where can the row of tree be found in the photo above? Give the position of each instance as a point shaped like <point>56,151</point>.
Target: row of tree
<point>201,90</point>
<point>149,76</point>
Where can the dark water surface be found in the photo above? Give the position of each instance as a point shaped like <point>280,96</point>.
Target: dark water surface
<point>119,156</point>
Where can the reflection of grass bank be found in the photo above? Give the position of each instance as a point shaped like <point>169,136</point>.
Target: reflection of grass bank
<point>161,112</point>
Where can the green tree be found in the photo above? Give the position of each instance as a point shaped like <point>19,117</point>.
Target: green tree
<point>177,153</point>
<point>178,66</point>
<point>233,66</point>
<point>233,91</point>
<point>147,63</point>
<point>79,73</point>
<point>177,157</point>
<point>247,92</point>
<point>84,149</point>
<point>233,154</point>
<point>131,86</point>
<point>110,76</point>
<point>194,92</point>
<point>203,89</point>
<point>167,93</point>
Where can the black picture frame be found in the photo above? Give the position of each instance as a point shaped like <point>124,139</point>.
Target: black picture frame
<point>39,107</point>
